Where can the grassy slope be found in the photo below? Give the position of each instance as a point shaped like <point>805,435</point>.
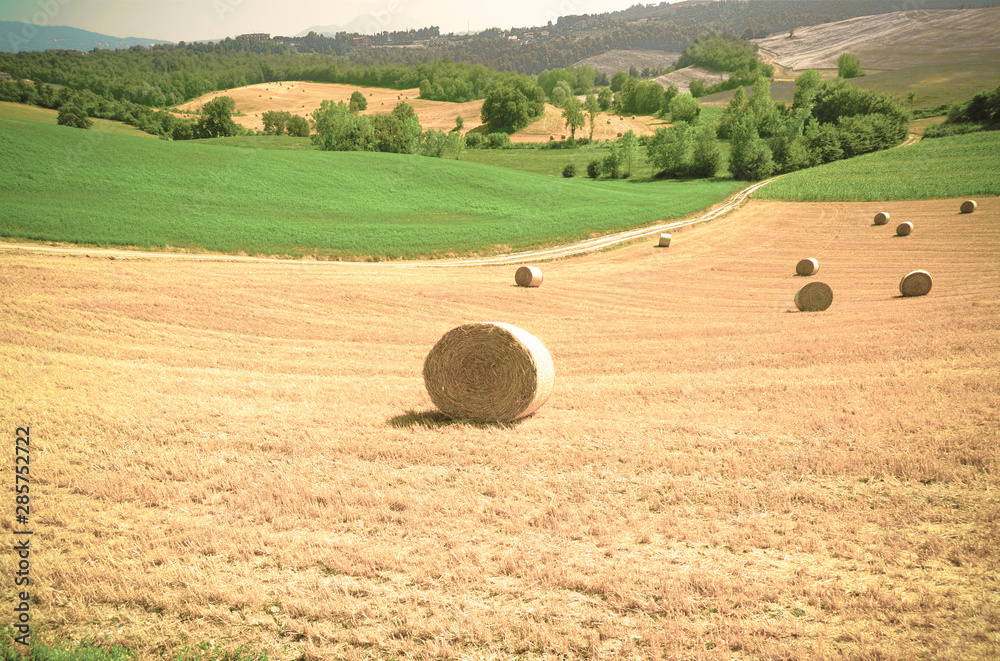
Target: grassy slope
<point>63,184</point>
<point>933,168</point>
<point>47,116</point>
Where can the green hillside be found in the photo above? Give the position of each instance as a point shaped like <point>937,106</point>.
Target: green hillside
<point>933,168</point>
<point>69,185</point>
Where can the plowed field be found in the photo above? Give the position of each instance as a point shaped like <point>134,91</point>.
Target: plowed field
<point>245,452</point>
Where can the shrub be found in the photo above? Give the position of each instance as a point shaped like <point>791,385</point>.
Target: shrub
<point>498,140</point>
<point>75,117</point>
<point>569,171</point>
<point>594,169</point>
<point>473,140</point>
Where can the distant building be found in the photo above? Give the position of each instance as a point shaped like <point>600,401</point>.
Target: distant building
<point>5,76</point>
<point>255,36</point>
<point>362,42</point>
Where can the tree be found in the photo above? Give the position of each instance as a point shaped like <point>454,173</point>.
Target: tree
<point>507,107</point>
<point>617,80</point>
<point>573,114</point>
<point>275,121</point>
<point>822,142</point>
<point>629,151</point>
<point>337,129</point>
<point>399,132</point>
<point>561,93</point>
<point>669,150</point>
<point>612,163</point>
<point>358,102</point>
<point>733,111</point>
<point>70,115</point>
<point>706,156</point>
<point>298,127</point>
<point>684,108</point>
<point>669,95</point>
<point>805,88</point>
<point>459,124</point>
<point>848,66</point>
<point>762,109</point>
<point>592,107</point>
<point>216,118</point>
<point>604,98</point>
<point>750,158</point>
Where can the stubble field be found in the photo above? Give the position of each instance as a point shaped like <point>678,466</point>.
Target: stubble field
<point>244,454</point>
<point>302,98</point>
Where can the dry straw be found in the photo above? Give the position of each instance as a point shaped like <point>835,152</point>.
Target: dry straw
<point>488,372</point>
<point>528,276</point>
<point>904,229</point>
<point>881,218</point>
<point>968,206</point>
<point>915,283</point>
<point>807,267</point>
<point>664,241</point>
<point>814,297</point>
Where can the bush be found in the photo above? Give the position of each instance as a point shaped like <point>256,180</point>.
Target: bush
<point>569,171</point>
<point>474,140</point>
<point>75,117</point>
<point>497,140</point>
<point>594,169</point>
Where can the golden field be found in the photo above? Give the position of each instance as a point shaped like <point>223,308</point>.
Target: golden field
<point>302,98</point>
<point>244,453</point>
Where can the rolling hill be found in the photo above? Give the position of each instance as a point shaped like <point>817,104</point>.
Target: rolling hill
<point>16,37</point>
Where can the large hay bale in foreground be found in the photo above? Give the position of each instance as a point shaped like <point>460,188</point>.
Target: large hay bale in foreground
<point>807,267</point>
<point>664,241</point>
<point>904,229</point>
<point>968,206</point>
<point>882,218</point>
<point>488,372</point>
<point>814,297</point>
<point>528,276</point>
<point>915,283</point>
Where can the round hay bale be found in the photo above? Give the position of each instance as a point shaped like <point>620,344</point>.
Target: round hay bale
<point>881,218</point>
<point>664,241</point>
<point>488,372</point>
<point>814,297</point>
<point>904,229</point>
<point>528,276</point>
<point>807,267</point>
<point>915,283</point>
<point>968,206</point>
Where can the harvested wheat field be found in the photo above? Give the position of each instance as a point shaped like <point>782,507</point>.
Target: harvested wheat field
<point>302,98</point>
<point>245,453</point>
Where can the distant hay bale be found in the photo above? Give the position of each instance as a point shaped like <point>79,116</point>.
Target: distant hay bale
<point>915,283</point>
<point>968,206</point>
<point>904,229</point>
<point>881,218</point>
<point>807,267</point>
<point>488,372</point>
<point>814,297</point>
<point>528,276</point>
<point>664,241</point>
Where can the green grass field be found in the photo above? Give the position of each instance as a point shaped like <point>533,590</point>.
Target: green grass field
<point>47,116</point>
<point>933,168</point>
<point>68,185</point>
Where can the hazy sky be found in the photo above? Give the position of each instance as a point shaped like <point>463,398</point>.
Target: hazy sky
<point>190,20</point>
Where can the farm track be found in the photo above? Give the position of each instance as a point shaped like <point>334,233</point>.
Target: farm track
<point>559,252</point>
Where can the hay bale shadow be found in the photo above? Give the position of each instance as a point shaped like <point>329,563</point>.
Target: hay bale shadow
<point>436,419</point>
